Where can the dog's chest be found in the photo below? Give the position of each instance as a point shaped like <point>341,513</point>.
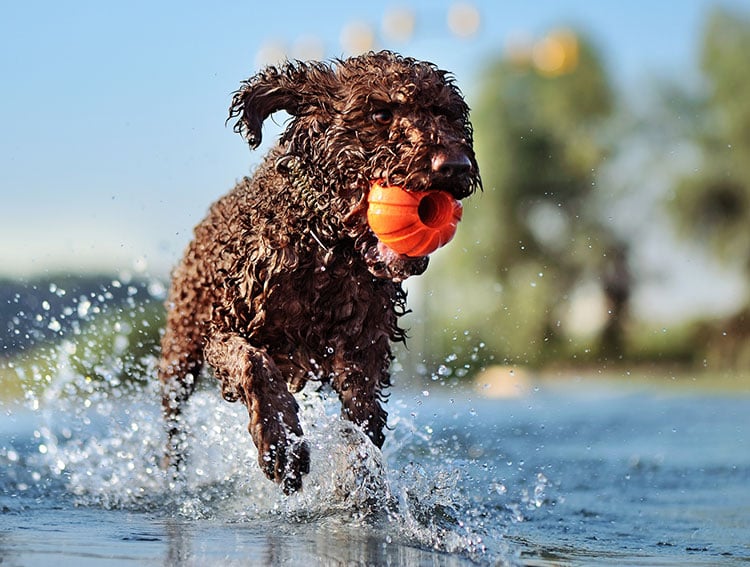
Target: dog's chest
<point>320,321</point>
<point>339,307</point>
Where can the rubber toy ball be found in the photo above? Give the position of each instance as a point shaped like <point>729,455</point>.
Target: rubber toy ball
<point>412,223</point>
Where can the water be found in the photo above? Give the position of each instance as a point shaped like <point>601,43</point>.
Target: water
<point>575,473</point>
<point>570,472</point>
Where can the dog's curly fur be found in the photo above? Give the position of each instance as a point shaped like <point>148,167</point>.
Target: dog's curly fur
<point>284,281</point>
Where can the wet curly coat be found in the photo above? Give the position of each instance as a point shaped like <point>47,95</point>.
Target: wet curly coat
<point>284,282</point>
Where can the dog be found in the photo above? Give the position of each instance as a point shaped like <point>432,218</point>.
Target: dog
<point>284,281</point>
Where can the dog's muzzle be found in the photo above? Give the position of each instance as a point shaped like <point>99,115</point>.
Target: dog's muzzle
<point>384,263</point>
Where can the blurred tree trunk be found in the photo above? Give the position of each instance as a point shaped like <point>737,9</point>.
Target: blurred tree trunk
<point>617,287</point>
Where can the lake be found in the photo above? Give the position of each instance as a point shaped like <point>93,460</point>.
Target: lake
<point>571,472</point>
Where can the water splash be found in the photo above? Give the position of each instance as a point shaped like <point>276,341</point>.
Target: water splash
<point>99,439</point>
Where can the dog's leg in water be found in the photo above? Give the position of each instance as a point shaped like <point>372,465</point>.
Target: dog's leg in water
<point>360,400</point>
<point>177,375</point>
<point>250,374</point>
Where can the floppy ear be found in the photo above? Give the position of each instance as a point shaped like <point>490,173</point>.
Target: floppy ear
<point>289,88</point>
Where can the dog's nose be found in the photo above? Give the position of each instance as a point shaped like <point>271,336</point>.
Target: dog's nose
<point>451,164</point>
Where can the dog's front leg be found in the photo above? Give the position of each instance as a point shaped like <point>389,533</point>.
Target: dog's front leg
<point>252,374</point>
<point>360,393</point>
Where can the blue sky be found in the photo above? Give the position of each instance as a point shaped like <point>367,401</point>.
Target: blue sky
<point>112,113</point>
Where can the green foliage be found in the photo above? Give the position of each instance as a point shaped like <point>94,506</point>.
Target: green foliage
<point>531,236</point>
<point>712,204</point>
<point>119,347</point>
<point>116,348</point>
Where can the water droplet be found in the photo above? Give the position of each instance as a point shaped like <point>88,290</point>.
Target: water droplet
<point>83,307</point>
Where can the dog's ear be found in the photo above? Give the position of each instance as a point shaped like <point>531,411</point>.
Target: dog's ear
<point>291,87</point>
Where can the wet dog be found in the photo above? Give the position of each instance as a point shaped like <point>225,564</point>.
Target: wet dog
<point>284,281</point>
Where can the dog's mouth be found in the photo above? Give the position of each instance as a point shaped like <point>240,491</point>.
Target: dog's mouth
<point>381,260</point>
<point>405,227</point>
<point>385,263</point>
<point>429,206</point>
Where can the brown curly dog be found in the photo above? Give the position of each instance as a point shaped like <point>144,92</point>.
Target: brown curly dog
<point>284,281</point>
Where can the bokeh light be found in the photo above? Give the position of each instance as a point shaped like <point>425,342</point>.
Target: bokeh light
<point>398,24</point>
<point>270,53</point>
<point>357,37</point>
<point>308,47</point>
<point>463,19</point>
<point>556,54</point>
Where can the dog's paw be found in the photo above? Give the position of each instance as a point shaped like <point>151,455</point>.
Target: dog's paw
<point>283,459</point>
<point>297,464</point>
<point>285,464</point>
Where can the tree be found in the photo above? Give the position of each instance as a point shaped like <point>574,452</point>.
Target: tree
<point>712,205</point>
<point>531,237</point>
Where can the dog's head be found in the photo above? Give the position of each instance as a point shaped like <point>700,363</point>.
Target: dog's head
<point>379,116</point>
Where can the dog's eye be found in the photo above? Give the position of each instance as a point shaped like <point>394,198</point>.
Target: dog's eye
<point>382,116</point>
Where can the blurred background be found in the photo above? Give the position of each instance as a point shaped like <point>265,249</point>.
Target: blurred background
<point>612,236</point>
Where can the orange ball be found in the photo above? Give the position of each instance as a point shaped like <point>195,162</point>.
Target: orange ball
<point>412,223</point>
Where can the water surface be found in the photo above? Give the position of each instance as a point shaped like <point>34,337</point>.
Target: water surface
<point>573,473</point>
